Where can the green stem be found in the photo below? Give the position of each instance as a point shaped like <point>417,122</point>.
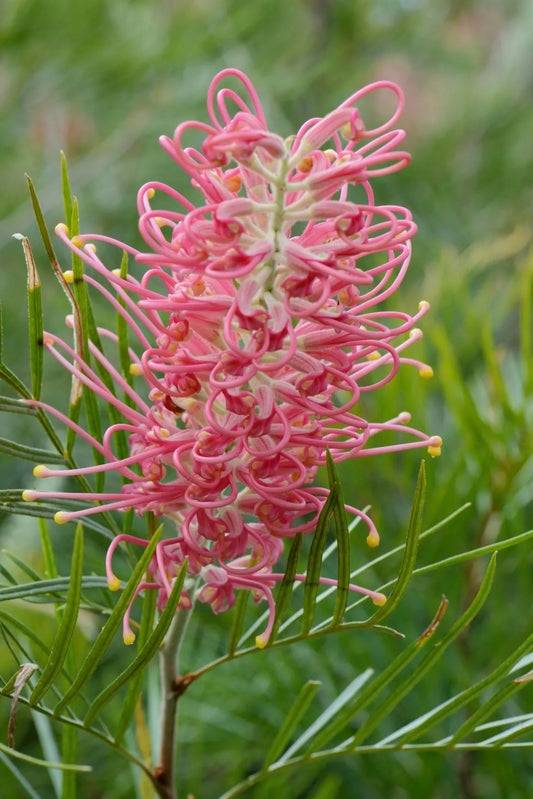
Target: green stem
<point>172,686</point>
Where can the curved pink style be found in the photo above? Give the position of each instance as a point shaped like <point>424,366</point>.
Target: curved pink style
<point>259,317</point>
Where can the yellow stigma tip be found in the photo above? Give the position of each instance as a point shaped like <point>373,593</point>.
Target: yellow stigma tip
<point>69,276</point>
<point>150,193</point>
<point>135,369</point>
<point>40,471</point>
<point>434,446</point>
<point>27,496</point>
<point>261,640</point>
<point>426,372</point>
<point>61,517</point>
<point>113,583</point>
<point>129,638</point>
<point>424,305</point>
<point>61,228</point>
<point>372,540</point>
<point>379,599</point>
<point>77,241</point>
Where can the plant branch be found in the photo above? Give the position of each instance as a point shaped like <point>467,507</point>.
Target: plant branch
<point>172,686</point>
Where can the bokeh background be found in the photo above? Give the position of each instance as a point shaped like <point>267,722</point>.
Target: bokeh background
<point>101,81</point>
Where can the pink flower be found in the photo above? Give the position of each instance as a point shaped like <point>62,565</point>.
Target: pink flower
<point>260,320</point>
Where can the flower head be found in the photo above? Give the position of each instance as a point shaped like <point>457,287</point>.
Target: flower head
<point>260,321</point>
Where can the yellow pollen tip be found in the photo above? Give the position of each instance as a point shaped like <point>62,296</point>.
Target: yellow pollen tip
<point>129,638</point>
<point>415,333</point>
<point>373,356</point>
<point>261,640</point>
<point>69,276</point>
<point>61,228</point>
<point>379,599</point>
<point>150,193</point>
<point>61,517</point>
<point>135,369</point>
<point>372,539</point>
<point>113,583</point>
<point>115,272</point>
<point>28,496</point>
<point>434,446</point>
<point>77,241</point>
<point>424,305</point>
<point>163,432</point>
<point>426,372</point>
<point>40,471</point>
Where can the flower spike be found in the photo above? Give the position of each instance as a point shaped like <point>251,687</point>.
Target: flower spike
<point>261,319</point>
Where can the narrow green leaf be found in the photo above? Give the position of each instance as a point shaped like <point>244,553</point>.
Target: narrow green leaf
<point>374,689</point>
<point>50,751</point>
<point>47,587</point>
<point>239,613</point>
<point>111,626</point>
<point>343,545</point>
<point>94,422</point>
<point>45,236</point>
<point>12,380</point>
<point>21,779</point>
<point>35,317</point>
<point>50,569</point>
<point>391,701</point>
<point>33,454</point>
<point>486,710</point>
<point>65,186</point>
<point>146,653</point>
<point>69,750</point>
<point>297,712</point>
<point>24,567</point>
<point>10,405</point>
<point>133,695</point>
<point>66,628</point>
<point>410,551</point>
<point>47,511</point>
<point>328,714</point>
<point>314,563</point>
<point>429,720</point>
<point>500,739</point>
<point>287,584</point>
<point>12,621</point>
<point>7,574</point>
<point>489,549</point>
<point>44,763</point>
<point>78,331</point>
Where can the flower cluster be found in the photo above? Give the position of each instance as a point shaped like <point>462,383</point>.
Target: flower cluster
<point>260,322</point>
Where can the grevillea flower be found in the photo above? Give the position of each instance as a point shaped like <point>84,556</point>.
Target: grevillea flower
<point>260,321</point>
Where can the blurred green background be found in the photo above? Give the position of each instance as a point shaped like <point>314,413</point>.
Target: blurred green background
<point>101,80</point>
